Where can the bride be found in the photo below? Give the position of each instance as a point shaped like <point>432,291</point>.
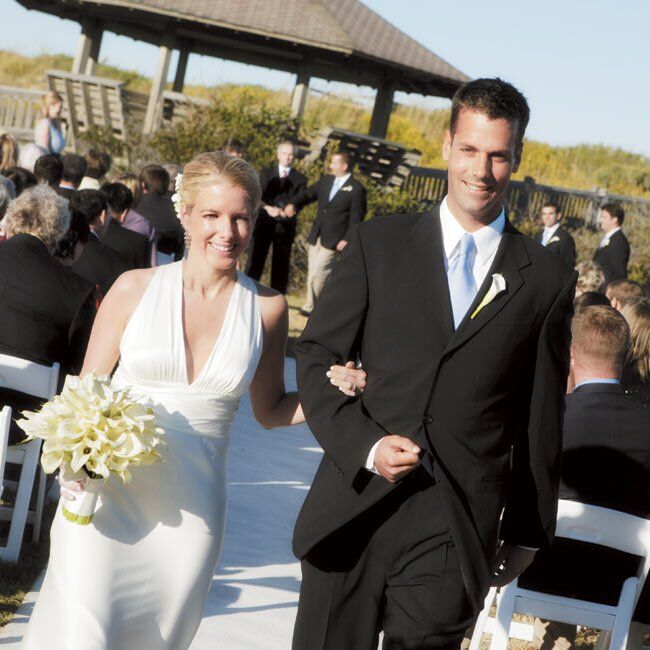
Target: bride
<point>190,338</point>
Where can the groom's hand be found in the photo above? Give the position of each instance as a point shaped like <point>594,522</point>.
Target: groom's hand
<point>395,457</point>
<point>511,561</point>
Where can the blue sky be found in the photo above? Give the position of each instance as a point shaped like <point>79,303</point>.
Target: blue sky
<point>583,64</point>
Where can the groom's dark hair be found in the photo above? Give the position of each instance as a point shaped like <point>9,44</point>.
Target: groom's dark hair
<point>493,97</point>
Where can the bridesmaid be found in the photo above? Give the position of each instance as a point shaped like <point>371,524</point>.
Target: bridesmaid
<point>48,133</point>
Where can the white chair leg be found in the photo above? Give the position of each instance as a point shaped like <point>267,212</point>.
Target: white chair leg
<point>624,619</point>
<point>40,504</point>
<point>31,452</point>
<point>505,611</point>
<point>479,626</point>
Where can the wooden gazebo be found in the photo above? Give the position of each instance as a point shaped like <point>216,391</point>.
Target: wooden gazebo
<point>336,40</point>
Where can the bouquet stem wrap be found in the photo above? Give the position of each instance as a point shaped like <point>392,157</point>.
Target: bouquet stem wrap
<point>82,510</point>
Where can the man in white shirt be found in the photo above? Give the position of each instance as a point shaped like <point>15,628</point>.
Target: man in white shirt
<point>462,324</point>
<point>554,236</point>
<point>613,252</point>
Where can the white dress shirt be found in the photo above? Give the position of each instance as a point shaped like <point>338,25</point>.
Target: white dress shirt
<point>283,171</point>
<point>339,182</point>
<point>548,234</point>
<point>605,240</point>
<point>487,241</point>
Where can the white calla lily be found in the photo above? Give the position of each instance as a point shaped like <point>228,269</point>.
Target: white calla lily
<point>497,287</point>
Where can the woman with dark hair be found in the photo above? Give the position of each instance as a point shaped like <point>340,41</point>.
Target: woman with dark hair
<point>21,178</point>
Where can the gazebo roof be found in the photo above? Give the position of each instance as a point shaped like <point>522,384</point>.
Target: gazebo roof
<point>339,40</point>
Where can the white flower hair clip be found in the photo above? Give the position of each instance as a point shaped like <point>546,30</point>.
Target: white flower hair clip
<point>176,197</point>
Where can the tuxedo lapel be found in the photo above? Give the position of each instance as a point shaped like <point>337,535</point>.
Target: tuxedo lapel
<point>426,252</point>
<point>511,256</point>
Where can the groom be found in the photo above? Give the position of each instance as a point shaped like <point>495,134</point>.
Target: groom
<point>462,324</point>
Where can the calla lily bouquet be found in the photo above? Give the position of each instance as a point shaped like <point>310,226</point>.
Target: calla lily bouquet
<point>93,431</point>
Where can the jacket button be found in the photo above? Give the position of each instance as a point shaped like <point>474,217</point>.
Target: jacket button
<point>427,419</point>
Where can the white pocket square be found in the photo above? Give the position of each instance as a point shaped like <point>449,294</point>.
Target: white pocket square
<point>498,286</point>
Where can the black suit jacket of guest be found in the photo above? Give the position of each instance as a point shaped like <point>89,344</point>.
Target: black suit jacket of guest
<point>279,192</point>
<point>99,264</point>
<point>614,257</point>
<point>605,462</point>
<point>132,247</point>
<point>564,246</point>
<point>160,212</point>
<point>486,399</point>
<point>335,218</point>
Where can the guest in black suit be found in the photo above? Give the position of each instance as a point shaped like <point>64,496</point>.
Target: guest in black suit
<point>74,169</point>
<point>156,206</point>
<point>605,462</point>
<point>554,236</point>
<point>613,253</point>
<point>81,250</point>
<point>280,184</point>
<point>341,205</point>
<point>462,410</point>
<point>132,246</point>
<point>48,169</point>
<point>47,310</point>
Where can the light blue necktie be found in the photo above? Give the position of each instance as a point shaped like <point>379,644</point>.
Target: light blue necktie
<point>462,286</point>
<point>335,187</point>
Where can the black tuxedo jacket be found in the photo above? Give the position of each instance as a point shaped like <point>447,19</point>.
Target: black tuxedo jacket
<point>46,313</point>
<point>561,244</point>
<point>160,212</point>
<point>132,247</point>
<point>279,192</point>
<point>486,400</point>
<point>605,462</point>
<point>99,264</point>
<point>335,218</point>
<point>614,257</point>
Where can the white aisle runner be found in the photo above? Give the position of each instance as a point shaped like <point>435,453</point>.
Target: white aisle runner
<point>253,599</point>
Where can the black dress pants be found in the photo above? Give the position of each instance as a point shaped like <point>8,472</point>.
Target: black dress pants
<point>279,233</point>
<point>393,568</point>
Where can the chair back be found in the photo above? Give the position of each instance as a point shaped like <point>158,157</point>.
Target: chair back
<point>28,377</point>
<point>5,422</point>
<point>618,530</point>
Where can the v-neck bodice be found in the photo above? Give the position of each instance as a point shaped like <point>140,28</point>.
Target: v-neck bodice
<point>153,360</point>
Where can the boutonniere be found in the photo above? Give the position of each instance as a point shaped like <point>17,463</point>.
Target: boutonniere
<point>498,286</point>
<point>346,188</point>
<point>605,243</point>
<point>552,239</point>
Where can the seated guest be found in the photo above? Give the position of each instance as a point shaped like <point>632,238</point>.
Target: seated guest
<point>589,299</point>
<point>97,165</point>
<point>235,148</point>
<point>554,236</point>
<point>613,252</point>
<point>132,246</point>
<point>5,199</point>
<point>605,462</point>
<point>29,154</point>
<point>590,277</point>
<point>81,250</point>
<point>8,152</point>
<point>636,374</point>
<point>134,220</point>
<point>156,206</point>
<point>49,169</point>
<point>47,310</point>
<point>619,291</point>
<point>21,178</point>
<point>74,169</point>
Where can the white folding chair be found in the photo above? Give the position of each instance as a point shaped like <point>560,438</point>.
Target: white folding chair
<point>594,525</point>
<point>5,423</point>
<point>41,381</point>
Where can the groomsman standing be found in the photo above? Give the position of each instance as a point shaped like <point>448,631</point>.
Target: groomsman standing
<point>554,236</point>
<point>341,204</point>
<point>613,253</point>
<point>280,183</point>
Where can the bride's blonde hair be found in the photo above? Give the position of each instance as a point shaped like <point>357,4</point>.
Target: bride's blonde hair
<point>215,167</point>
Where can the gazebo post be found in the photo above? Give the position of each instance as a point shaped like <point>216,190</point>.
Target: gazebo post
<point>157,87</point>
<point>300,92</point>
<point>181,67</point>
<point>382,110</point>
<point>87,54</point>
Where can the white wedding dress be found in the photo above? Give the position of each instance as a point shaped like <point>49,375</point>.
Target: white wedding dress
<point>137,577</point>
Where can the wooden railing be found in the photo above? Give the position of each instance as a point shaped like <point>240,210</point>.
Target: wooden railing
<point>524,198</point>
<point>19,111</point>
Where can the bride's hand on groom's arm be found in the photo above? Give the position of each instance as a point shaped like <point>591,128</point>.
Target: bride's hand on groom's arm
<point>349,379</point>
